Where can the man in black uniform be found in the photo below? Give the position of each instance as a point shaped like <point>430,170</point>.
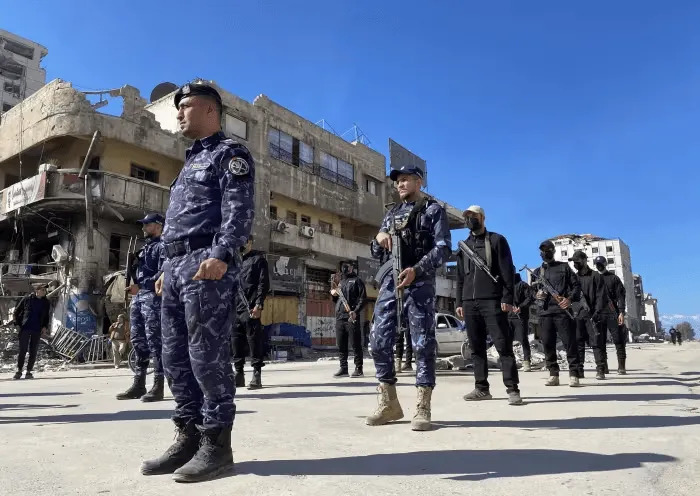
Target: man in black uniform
<point>248,334</point>
<point>347,320</point>
<point>613,317</point>
<point>672,334</point>
<point>485,304</point>
<point>553,316</point>
<point>519,318</point>
<point>591,306</point>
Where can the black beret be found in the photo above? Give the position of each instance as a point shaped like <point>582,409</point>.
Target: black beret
<point>193,89</point>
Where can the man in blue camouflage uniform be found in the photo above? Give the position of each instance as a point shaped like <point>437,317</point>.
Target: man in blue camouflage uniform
<point>208,220</point>
<point>145,312</point>
<point>425,245</point>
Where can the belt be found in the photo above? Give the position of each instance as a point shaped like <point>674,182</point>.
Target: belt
<point>187,245</point>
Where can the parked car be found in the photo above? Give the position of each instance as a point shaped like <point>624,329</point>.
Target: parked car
<point>450,334</point>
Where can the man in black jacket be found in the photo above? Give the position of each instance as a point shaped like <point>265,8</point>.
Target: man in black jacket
<point>613,317</point>
<point>32,317</point>
<point>590,307</point>
<point>347,322</point>
<point>552,313</point>
<point>485,304</point>
<point>519,318</point>
<point>248,335</point>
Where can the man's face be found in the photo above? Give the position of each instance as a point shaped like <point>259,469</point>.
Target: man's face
<point>152,229</point>
<point>408,184</point>
<point>474,215</point>
<point>40,292</point>
<point>193,115</point>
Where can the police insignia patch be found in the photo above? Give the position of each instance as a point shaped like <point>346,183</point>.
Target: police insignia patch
<point>238,166</point>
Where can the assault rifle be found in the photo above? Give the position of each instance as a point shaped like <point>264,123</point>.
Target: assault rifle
<point>548,288</point>
<point>343,300</point>
<point>476,259</point>
<point>241,294</point>
<point>130,254</point>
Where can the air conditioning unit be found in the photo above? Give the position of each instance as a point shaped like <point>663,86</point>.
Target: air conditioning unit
<point>279,226</point>
<point>307,231</point>
<point>59,254</point>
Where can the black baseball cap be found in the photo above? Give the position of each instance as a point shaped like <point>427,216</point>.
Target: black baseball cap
<point>193,89</point>
<point>578,256</point>
<point>152,219</point>
<point>406,169</point>
<point>547,245</point>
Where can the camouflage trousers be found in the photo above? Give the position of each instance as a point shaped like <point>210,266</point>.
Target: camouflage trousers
<point>419,312</point>
<point>145,331</point>
<point>197,320</point>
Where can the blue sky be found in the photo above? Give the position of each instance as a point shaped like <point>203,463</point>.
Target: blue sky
<point>556,117</point>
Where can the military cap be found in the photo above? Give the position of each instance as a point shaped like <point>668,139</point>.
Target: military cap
<point>194,89</point>
<point>406,169</point>
<point>152,219</point>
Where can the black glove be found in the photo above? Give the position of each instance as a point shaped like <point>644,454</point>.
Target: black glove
<point>596,317</point>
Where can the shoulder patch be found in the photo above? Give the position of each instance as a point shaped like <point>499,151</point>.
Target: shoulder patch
<point>238,166</point>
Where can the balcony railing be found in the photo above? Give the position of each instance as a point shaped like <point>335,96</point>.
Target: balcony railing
<point>329,175</point>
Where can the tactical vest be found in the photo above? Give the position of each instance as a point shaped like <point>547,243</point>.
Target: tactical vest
<point>415,241</point>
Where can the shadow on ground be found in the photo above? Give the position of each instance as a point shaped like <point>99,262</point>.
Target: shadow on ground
<point>95,417</point>
<point>613,397</point>
<point>583,423</point>
<point>48,393</point>
<point>299,394</point>
<point>465,465</point>
<point>27,406</point>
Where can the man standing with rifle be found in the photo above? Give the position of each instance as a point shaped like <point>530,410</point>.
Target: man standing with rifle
<point>519,318</point>
<point>350,296</point>
<point>588,312</point>
<point>145,269</point>
<point>416,233</point>
<point>557,286</point>
<point>485,293</point>
<point>613,317</point>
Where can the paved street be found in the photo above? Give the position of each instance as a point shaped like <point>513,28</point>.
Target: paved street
<point>303,434</point>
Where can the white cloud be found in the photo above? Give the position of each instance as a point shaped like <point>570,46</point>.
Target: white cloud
<point>675,319</point>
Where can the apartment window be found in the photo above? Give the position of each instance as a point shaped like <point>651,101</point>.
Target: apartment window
<point>94,163</point>
<point>6,107</point>
<point>291,218</point>
<point>608,249</point>
<point>118,246</point>
<point>140,172</point>
<point>305,220</point>
<point>329,167</point>
<point>564,253</point>
<point>594,249</point>
<point>611,261</point>
<point>236,127</point>
<point>284,147</point>
<point>19,48</point>
<point>10,179</point>
<point>371,186</point>
<point>11,88</point>
<point>346,174</point>
<point>325,227</point>
<point>273,212</point>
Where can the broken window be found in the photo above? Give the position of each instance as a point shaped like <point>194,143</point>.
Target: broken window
<point>118,247</point>
<point>273,212</point>
<point>94,163</point>
<point>11,88</point>
<point>140,172</point>
<point>291,217</point>
<point>305,220</point>
<point>18,48</point>
<point>325,227</point>
<point>6,107</point>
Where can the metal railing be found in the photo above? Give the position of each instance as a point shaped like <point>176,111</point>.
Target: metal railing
<point>318,170</point>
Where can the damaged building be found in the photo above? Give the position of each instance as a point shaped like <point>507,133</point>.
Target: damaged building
<point>319,199</point>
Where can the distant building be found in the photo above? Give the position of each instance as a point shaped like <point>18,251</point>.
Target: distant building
<point>21,73</point>
<point>619,261</point>
<point>651,324</point>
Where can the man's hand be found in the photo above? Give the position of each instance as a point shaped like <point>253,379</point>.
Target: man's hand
<point>621,319</point>
<point>384,240</point>
<point>133,289</point>
<point>255,312</point>
<point>212,269</point>
<point>159,285</point>
<point>505,307</point>
<point>460,313</point>
<point>406,277</point>
<point>515,310</point>
<point>564,303</point>
<point>353,316</point>
<point>541,295</point>
<point>334,292</point>
<point>44,332</point>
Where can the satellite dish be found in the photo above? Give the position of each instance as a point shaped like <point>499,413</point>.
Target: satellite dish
<point>161,90</point>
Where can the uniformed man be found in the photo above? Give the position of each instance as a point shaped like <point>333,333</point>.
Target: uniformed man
<point>145,312</point>
<point>425,245</point>
<point>590,307</point>
<point>485,303</point>
<point>209,218</point>
<point>552,313</point>
<point>672,334</point>
<point>248,335</point>
<point>519,318</point>
<point>613,317</point>
<point>347,323</point>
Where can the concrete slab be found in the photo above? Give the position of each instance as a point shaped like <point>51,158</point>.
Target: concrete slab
<point>303,434</point>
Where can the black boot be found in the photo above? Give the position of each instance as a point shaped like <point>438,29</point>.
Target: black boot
<point>621,370</point>
<point>213,458</point>
<point>256,382</point>
<point>18,375</point>
<point>137,389</point>
<point>239,376</point>
<point>156,392</point>
<point>342,372</point>
<point>181,452</point>
<point>358,371</point>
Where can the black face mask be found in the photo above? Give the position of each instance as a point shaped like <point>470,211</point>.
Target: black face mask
<point>473,224</point>
<point>345,271</point>
<point>600,267</point>
<point>579,265</point>
<point>547,256</point>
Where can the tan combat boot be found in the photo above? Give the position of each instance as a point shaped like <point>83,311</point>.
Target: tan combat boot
<point>388,409</point>
<point>421,420</point>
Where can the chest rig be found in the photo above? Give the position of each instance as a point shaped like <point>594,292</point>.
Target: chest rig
<point>416,242</point>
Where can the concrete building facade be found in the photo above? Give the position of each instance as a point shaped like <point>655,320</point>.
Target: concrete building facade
<point>619,261</point>
<point>319,199</point>
<point>651,324</point>
<point>21,73</point>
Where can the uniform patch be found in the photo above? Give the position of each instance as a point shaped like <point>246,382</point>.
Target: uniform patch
<point>238,166</point>
<point>199,166</point>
